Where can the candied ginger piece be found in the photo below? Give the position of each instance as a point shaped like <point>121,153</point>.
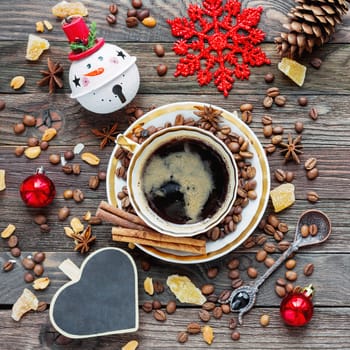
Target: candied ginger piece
<point>65,9</point>
<point>282,197</point>
<point>26,302</point>
<point>293,70</point>
<point>185,290</point>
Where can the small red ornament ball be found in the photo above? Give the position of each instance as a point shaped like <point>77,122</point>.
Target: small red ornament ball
<point>37,190</point>
<point>296,308</point>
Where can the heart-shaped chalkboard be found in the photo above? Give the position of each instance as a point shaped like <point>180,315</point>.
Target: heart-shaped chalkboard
<point>102,298</point>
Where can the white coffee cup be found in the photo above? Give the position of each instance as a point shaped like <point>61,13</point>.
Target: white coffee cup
<point>182,180</point>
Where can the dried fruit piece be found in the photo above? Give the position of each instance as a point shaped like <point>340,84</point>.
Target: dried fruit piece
<point>68,231</point>
<point>26,302</point>
<point>208,334</point>
<point>282,196</point>
<point>32,152</point>
<point>90,158</point>
<point>48,25</point>
<point>185,290</point>
<point>41,283</point>
<point>293,70</point>
<point>35,47</point>
<point>131,345</point>
<point>76,225</point>
<point>49,134</point>
<point>2,179</point>
<point>17,82</point>
<point>8,231</point>
<point>65,9</point>
<point>39,26</point>
<point>148,286</point>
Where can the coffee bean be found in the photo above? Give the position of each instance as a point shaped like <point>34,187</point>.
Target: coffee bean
<point>159,315</point>
<point>291,275</point>
<point>252,272</point>
<point>94,182</point>
<point>277,130</point>
<point>159,50</point>
<point>68,155</point>
<point>310,163</point>
<point>54,159</point>
<point>142,14</point>
<point>212,272</point>
<point>28,277</point>
<point>233,264</point>
<point>273,91</point>
<point>63,213</point>
<point>38,270</point>
<point>204,315</point>
<point>267,130</point>
<point>147,306</point>
<point>266,120</point>
<point>162,69</point>
<point>299,126</point>
<point>101,175</point>
<point>290,264</point>
<point>269,229</point>
<point>131,13</point>
<point>313,113</point>
<point>233,274</point>
<point>236,283</point>
<point>304,230</point>
<point>131,22</point>
<point>44,145</point>
<point>136,4</point>
<point>280,100</point>
<point>113,9</point>
<point>313,229</point>
<point>39,257</point>
<point>19,128</point>
<point>246,107</point>
<point>316,62</point>
<point>308,269</point>
<point>260,239</point>
<point>145,265</point>
<point>32,141</point>
<point>270,148</point>
<point>302,100</point>
<point>12,241</point>
<point>19,150</point>
<point>269,78</point>
<point>212,298</point>
<point>260,255</point>
<point>78,195</point>
<point>276,139</point>
<point>193,328</point>
<point>235,335</point>
<point>156,304</point>
<point>224,296</point>
<point>273,220</point>
<point>278,236</point>
<point>171,307</point>
<point>289,287</point>
<point>283,227</point>
<point>207,289</point>
<point>312,196</point>
<point>232,323</point>
<point>267,102</point>
<point>247,117</point>
<point>8,266</point>
<point>280,175</point>
<point>312,174</point>
<point>158,287</point>
<point>208,305</point>
<point>42,306</point>
<point>28,263</point>
<point>217,312</point>
<point>226,308</point>
<point>283,245</point>
<point>15,252</point>
<point>269,247</point>
<point>182,337</point>
<point>45,228</point>
<point>289,176</point>
<point>269,261</point>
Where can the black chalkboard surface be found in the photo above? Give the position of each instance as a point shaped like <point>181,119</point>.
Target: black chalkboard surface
<point>102,300</point>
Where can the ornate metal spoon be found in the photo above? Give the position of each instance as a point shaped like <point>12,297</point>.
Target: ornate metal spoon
<point>243,298</point>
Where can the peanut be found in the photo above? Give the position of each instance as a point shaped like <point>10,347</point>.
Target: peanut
<point>8,231</point>
<point>149,22</point>
<point>41,283</point>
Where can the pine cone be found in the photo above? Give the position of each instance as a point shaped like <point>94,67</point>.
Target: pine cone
<point>311,23</point>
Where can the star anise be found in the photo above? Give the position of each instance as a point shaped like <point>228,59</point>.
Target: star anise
<point>52,76</point>
<point>292,148</point>
<point>83,240</point>
<point>208,115</point>
<point>106,134</point>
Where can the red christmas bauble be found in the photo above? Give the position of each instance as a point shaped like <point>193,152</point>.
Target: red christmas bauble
<point>296,308</point>
<point>37,190</point>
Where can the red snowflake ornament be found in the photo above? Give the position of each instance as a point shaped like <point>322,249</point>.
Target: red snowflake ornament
<point>218,34</point>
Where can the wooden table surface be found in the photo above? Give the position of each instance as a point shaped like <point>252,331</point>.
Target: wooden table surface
<point>326,139</point>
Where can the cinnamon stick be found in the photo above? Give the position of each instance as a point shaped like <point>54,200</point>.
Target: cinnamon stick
<point>117,220</point>
<point>122,213</point>
<point>156,239</point>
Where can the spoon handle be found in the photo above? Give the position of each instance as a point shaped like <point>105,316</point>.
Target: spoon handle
<point>292,248</point>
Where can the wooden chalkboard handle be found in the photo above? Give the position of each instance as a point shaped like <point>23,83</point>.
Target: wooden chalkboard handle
<point>70,269</point>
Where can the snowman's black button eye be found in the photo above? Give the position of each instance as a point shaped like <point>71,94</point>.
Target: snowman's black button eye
<point>88,66</point>
<point>100,58</point>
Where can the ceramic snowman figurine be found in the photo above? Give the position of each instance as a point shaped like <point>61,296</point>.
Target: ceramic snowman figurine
<point>102,77</point>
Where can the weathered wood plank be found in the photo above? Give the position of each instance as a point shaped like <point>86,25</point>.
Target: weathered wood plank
<point>328,329</point>
<point>326,80</point>
<point>330,270</point>
<point>16,24</point>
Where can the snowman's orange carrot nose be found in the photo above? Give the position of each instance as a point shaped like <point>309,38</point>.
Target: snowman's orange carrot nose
<point>97,71</point>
